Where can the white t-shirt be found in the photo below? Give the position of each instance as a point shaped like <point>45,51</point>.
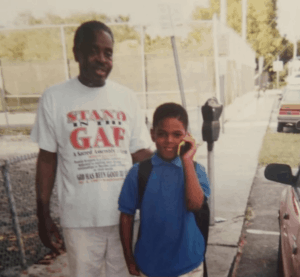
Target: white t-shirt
<point>93,131</point>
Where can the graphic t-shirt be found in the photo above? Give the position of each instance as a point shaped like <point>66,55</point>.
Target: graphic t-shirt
<point>93,131</point>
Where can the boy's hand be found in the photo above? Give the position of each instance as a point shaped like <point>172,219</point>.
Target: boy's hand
<point>132,267</point>
<point>192,148</point>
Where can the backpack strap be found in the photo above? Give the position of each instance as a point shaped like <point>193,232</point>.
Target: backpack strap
<point>144,171</point>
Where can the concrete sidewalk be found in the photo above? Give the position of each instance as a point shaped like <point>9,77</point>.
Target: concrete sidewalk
<point>235,163</point>
<point>235,158</point>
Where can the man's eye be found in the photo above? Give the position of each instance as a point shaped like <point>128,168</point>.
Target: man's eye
<point>177,135</point>
<point>108,55</point>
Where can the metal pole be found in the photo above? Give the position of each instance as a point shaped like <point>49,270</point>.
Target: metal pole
<point>244,19</point>
<point>216,56</point>
<point>222,87</point>
<point>63,43</point>
<point>144,73</point>
<point>223,12</point>
<point>2,89</point>
<point>211,176</point>
<point>179,79</point>
<point>277,75</point>
<point>12,207</point>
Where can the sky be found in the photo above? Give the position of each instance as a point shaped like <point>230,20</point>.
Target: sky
<point>140,11</point>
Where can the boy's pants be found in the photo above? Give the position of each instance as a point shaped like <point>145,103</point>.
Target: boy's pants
<point>89,248</point>
<point>197,272</point>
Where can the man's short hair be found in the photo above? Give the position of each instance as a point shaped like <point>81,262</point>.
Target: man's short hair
<point>170,110</point>
<point>86,32</point>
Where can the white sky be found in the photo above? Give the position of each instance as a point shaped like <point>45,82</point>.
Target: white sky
<point>138,10</point>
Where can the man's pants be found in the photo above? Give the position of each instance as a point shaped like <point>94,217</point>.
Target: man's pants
<point>89,249</point>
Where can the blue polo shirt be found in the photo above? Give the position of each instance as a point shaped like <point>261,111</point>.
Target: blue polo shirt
<point>170,243</point>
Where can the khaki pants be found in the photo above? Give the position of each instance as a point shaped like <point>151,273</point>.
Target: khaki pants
<point>197,272</point>
<point>96,251</point>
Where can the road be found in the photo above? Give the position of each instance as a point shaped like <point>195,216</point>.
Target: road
<point>258,248</point>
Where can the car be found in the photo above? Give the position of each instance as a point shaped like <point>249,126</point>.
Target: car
<point>289,219</point>
<point>289,108</point>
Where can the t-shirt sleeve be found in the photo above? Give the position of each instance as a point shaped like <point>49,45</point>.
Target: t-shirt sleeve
<point>43,131</point>
<point>203,179</point>
<point>140,135</point>
<point>128,199</point>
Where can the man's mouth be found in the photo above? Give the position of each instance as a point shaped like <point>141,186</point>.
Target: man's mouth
<point>100,71</point>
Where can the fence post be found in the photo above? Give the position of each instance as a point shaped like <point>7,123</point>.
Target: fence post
<point>2,89</point>
<point>12,207</point>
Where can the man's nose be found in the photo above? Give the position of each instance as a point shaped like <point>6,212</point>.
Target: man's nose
<point>100,57</point>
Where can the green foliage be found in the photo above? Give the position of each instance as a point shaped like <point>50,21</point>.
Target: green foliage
<point>280,148</point>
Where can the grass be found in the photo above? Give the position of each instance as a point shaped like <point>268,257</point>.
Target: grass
<point>13,131</point>
<point>280,148</point>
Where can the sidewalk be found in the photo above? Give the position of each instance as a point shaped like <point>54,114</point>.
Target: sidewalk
<point>235,157</point>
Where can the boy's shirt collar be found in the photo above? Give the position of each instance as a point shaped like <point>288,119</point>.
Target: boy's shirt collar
<point>156,160</point>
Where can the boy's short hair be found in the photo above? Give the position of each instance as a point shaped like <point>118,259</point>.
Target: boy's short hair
<point>170,110</point>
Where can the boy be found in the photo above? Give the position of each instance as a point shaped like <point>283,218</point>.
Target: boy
<point>169,242</point>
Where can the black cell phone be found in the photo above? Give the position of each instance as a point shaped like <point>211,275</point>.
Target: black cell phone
<point>184,148</point>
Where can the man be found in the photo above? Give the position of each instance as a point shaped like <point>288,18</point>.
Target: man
<point>89,131</point>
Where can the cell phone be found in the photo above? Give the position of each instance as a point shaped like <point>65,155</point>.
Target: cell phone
<point>184,147</point>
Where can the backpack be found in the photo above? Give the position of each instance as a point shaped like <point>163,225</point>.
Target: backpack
<point>201,216</point>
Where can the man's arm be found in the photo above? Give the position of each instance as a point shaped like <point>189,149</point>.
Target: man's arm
<point>126,234</point>
<point>45,177</point>
<point>141,155</point>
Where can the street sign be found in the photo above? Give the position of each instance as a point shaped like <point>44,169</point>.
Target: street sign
<point>277,66</point>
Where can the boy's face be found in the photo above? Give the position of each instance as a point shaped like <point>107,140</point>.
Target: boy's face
<point>167,137</point>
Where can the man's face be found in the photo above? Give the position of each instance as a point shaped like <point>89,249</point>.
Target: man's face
<point>95,58</point>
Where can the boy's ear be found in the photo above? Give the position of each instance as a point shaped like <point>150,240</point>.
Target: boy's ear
<point>152,132</point>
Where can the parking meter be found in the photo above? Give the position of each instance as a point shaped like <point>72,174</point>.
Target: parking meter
<point>211,112</point>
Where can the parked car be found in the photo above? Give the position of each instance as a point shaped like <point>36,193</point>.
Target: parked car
<point>289,108</point>
<point>289,219</point>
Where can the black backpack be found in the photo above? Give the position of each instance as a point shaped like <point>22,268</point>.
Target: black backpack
<point>201,216</point>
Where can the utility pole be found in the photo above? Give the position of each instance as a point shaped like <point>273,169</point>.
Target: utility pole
<point>223,12</point>
<point>244,19</point>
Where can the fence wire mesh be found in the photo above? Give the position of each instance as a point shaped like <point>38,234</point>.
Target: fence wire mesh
<point>20,245</point>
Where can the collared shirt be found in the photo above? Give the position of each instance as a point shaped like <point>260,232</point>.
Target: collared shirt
<point>170,243</point>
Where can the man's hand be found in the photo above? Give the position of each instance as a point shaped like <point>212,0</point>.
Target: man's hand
<point>132,267</point>
<point>49,235</point>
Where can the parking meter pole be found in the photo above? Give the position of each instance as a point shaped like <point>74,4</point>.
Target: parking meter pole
<point>211,176</point>
<point>211,112</point>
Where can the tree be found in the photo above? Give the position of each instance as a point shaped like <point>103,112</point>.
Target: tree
<point>262,32</point>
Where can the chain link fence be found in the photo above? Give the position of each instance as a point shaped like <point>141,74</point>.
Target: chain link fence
<point>145,63</point>
<point>20,245</point>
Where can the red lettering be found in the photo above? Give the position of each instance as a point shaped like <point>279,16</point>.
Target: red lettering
<point>83,115</point>
<point>72,117</point>
<point>101,136</point>
<point>107,114</point>
<point>95,116</point>
<point>118,134</point>
<point>85,141</point>
<point>121,116</point>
